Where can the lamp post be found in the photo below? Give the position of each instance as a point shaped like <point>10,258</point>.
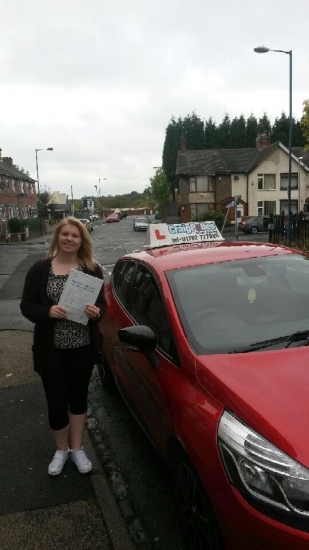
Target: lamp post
<point>263,49</point>
<point>37,177</point>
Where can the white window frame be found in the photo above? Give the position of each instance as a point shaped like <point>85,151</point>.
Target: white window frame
<point>263,185</point>
<point>263,209</point>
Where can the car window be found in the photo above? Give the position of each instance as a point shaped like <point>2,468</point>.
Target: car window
<point>230,305</point>
<point>121,280</point>
<point>146,308</point>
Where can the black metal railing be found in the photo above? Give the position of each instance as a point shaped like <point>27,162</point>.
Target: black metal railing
<point>299,230</point>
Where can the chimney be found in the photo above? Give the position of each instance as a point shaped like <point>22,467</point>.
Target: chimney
<point>8,161</point>
<point>261,141</point>
<point>183,147</point>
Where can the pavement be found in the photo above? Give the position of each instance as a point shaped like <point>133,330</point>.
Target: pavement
<point>39,512</point>
<point>36,511</point>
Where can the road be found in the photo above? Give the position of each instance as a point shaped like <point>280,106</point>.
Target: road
<point>128,453</point>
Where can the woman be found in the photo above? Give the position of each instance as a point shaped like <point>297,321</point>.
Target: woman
<point>64,352</point>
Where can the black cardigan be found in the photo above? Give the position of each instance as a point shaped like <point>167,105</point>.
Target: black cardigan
<point>35,306</point>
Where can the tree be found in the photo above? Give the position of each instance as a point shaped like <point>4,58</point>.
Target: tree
<point>43,204</point>
<point>280,129</point>
<point>264,125</point>
<point>225,133</point>
<point>160,189</point>
<point>170,150</point>
<point>238,132</point>
<point>193,128</point>
<point>211,134</point>
<point>251,131</point>
<point>305,123</point>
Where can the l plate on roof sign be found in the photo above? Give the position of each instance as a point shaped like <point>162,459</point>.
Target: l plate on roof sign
<point>162,234</point>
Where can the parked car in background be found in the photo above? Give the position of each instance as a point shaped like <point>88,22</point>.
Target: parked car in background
<point>141,223</point>
<point>94,217</point>
<point>119,213</point>
<point>208,344</point>
<point>254,224</point>
<point>112,218</point>
<point>87,223</point>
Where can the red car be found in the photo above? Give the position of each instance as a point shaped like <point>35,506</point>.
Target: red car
<point>207,342</point>
<point>112,218</point>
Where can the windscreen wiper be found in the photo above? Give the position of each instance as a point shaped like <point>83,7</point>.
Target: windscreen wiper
<point>289,338</point>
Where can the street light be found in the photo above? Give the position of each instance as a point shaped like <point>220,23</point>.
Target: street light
<point>37,167</point>
<point>98,190</point>
<point>37,176</point>
<point>263,49</point>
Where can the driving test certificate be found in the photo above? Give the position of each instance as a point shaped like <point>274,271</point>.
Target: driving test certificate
<point>80,289</point>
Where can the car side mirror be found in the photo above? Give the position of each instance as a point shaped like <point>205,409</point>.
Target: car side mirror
<point>140,338</point>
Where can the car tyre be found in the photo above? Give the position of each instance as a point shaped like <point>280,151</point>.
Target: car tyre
<point>105,373</point>
<point>254,229</point>
<point>200,526</point>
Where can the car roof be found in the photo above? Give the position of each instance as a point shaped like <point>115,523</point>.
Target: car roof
<point>187,255</point>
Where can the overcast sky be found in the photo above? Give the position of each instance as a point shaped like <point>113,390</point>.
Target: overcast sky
<point>99,80</point>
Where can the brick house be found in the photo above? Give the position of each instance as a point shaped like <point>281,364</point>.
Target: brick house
<point>17,193</point>
<point>209,179</point>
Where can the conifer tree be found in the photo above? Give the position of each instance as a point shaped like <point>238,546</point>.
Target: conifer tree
<point>251,131</point>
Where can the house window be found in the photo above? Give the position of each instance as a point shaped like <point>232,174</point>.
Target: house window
<point>192,185</point>
<point>284,181</point>
<point>198,209</point>
<point>202,184</point>
<point>265,208</point>
<point>284,207</point>
<point>266,182</point>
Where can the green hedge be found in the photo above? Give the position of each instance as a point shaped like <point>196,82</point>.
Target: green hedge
<point>16,225</point>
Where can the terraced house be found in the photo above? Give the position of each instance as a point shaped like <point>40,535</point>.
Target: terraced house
<point>209,179</point>
<point>18,197</point>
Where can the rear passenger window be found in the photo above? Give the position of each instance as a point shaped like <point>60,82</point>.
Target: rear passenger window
<point>122,280</point>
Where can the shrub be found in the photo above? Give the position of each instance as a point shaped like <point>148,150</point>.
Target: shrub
<point>16,225</point>
<point>211,215</point>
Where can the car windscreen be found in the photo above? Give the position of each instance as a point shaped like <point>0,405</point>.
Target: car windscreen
<point>232,306</point>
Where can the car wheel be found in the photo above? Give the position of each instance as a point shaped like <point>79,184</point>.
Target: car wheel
<point>105,373</point>
<point>254,229</point>
<point>200,527</point>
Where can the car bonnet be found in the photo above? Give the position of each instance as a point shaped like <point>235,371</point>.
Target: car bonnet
<point>267,390</point>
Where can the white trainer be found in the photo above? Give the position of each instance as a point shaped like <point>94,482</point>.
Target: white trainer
<point>56,466</point>
<point>81,461</point>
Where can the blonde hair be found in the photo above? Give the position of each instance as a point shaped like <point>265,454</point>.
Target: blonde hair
<point>85,252</point>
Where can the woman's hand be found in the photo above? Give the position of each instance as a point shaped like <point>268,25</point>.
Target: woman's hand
<point>58,312</point>
<point>93,312</point>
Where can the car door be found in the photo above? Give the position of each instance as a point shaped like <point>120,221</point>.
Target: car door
<point>146,385</point>
<point>118,294</point>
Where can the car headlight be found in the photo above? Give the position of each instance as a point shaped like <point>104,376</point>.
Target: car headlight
<point>259,469</point>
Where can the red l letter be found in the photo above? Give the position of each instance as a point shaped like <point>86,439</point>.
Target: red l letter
<point>159,236</point>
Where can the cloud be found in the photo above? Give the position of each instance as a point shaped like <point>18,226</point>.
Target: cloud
<point>99,80</point>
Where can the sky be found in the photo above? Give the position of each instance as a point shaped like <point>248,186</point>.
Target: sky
<point>99,80</point>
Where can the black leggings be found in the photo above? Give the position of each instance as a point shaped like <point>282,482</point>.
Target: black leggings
<point>66,389</point>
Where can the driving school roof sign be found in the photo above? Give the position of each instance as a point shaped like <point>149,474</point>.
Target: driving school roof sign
<point>162,234</point>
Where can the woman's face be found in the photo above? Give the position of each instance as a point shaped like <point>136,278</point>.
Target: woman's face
<point>69,239</point>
